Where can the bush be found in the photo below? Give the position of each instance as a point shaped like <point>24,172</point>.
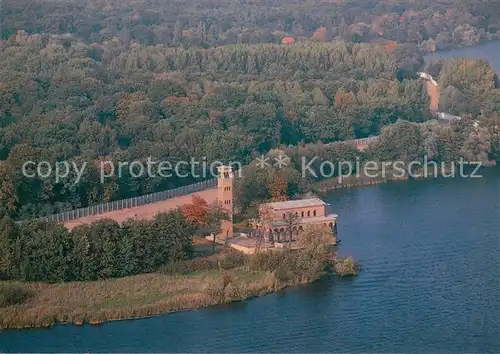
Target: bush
<point>283,275</point>
<point>232,292</point>
<point>302,266</point>
<point>269,261</point>
<point>345,266</point>
<point>13,294</point>
<point>311,264</point>
<point>216,288</point>
<point>232,260</point>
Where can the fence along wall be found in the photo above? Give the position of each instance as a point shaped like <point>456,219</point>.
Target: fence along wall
<point>131,202</point>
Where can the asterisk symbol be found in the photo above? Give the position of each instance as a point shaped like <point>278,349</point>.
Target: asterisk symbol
<point>281,161</point>
<point>262,162</point>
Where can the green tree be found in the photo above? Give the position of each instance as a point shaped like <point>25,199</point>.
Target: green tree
<point>174,234</point>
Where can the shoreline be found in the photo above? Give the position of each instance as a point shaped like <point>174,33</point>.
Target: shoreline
<point>163,292</point>
<point>332,184</point>
<point>482,42</point>
<point>162,307</point>
<point>139,317</point>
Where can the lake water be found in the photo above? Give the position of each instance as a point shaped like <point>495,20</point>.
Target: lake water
<point>489,51</point>
<point>430,254</point>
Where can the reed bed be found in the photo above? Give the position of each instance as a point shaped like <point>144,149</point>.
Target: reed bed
<point>130,297</point>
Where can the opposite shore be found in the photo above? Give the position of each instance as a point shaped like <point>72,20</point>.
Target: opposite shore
<point>391,176</point>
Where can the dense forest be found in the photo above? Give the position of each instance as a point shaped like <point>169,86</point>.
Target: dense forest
<point>125,102</point>
<point>431,24</point>
<point>92,81</point>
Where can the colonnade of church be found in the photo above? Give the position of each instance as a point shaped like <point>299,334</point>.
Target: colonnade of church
<point>283,234</point>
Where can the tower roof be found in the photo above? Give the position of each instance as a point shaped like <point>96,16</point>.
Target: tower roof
<point>225,169</point>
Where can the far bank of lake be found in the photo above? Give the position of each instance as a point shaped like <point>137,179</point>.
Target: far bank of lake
<point>489,51</point>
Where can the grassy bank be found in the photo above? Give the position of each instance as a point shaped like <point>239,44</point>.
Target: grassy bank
<point>130,297</point>
<point>42,304</point>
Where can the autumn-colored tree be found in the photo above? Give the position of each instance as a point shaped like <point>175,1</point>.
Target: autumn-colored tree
<point>205,216</point>
<point>8,191</point>
<point>278,188</point>
<point>319,34</point>
<point>391,46</point>
<point>197,211</point>
<point>265,212</point>
<point>169,100</point>
<point>127,105</point>
<point>344,99</point>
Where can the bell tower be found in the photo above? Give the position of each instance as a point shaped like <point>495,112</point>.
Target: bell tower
<point>225,184</point>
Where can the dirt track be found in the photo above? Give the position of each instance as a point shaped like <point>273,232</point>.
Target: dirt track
<point>433,92</point>
<point>145,211</point>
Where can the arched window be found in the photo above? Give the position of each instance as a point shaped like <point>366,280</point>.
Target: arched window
<point>308,213</point>
<point>302,214</point>
<point>284,216</point>
<point>314,212</point>
<point>296,214</point>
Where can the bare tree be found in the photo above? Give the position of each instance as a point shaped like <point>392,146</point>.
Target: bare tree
<point>291,220</point>
<point>265,215</point>
<point>213,218</point>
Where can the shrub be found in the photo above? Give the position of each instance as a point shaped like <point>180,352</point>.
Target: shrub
<point>232,260</point>
<point>232,292</point>
<point>311,264</point>
<point>345,266</point>
<point>283,275</point>
<point>271,282</point>
<point>303,266</point>
<point>315,237</point>
<point>215,289</point>
<point>13,294</point>
<point>268,261</point>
